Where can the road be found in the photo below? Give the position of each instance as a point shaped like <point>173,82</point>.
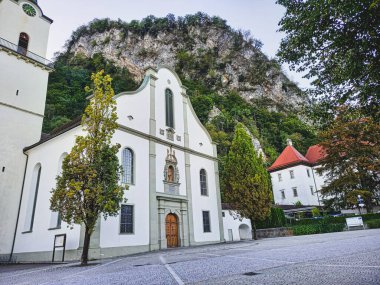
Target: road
<point>337,258</point>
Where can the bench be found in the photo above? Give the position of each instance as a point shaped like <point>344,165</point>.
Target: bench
<point>354,222</point>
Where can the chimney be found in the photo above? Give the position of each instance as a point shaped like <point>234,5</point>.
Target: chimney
<point>289,142</point>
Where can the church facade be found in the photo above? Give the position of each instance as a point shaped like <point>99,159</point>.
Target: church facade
<point>169,163</point>
<point>169,160</point>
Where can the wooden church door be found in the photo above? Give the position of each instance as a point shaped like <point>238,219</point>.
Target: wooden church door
<point>172,230</point>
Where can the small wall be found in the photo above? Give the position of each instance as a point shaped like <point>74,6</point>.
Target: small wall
<point>274,232</point>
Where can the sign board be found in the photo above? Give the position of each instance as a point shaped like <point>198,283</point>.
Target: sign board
<point>354,222</point>
<point>59,242</point>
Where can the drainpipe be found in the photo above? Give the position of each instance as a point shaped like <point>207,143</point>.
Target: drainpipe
<point>19,208</point>
<point>316,188</point>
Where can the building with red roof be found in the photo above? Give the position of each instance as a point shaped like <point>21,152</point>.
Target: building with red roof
<point>294,176</point>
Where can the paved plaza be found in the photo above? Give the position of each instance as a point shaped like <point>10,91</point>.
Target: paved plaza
<point>336,258</point>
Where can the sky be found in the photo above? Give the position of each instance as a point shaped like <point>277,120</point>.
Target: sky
<point>260,17</point>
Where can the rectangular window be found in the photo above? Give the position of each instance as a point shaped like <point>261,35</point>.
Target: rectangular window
<point>203,179</point>
<point>223,214</point>
<point>291,174</point>
<point>279,177</point>
<point>126,219</point>
<point>295,194</point>
<point>206,222</point>
<point>282,194</point>
<point>308,172</point>
<point>312,190</point>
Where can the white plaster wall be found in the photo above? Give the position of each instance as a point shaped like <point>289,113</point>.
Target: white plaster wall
<point>41,238</point>
<point>13,21</point>
<point>136,105</point>
<point>18,129</point>
<point>137,195</point>
<point>204,203</point>
<point>199,139</point>
<point>164,77</point>
<point>301,181</point>
<point>230,223</point>
<point>30,80</point>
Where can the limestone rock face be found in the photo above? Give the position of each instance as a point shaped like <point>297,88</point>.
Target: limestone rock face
<point>220,58</point>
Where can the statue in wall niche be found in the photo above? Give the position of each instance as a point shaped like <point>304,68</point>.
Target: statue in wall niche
<point>171,173</point>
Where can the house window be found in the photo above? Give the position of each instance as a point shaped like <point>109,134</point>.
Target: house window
<point>291,174</point>
<point>126,219</point>
<point>23,42</point>
<point>308,172</point>
<point>206,221</point>
<point>282,194</point>
<point>312,190</point>
<point>223,214</point>
<point>169,108</point>
<point>203,179</point>
<point>279,177</point>
<point>295,194</point>
<point>127,163</point>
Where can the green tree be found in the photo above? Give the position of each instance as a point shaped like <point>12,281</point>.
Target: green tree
<point>89,183</point>
<point>338,44</point>
<point>248,187</point>
<point>315,212</point>
<point>352,160</point>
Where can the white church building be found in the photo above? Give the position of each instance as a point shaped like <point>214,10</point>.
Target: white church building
<point>295,177</point>
<point>169,160</point>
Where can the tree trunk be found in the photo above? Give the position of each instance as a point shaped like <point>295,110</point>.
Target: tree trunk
<point>254,229</point>
<point>86,245</point>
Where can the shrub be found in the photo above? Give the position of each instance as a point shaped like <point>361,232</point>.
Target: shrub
<point>373,224</point>
<point>275,220</point>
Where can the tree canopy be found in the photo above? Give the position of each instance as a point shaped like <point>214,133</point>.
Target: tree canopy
<point>338,44</point>
<point>352,161</point>
<point>247,181</point>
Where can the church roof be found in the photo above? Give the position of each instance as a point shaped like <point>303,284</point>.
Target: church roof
<point>315,153</point>
<point>289,157</point>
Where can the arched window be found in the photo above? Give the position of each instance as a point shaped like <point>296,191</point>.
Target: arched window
<point>55,219</point>
<point>23,42</point>
<point>203,179</point>
<point>31,209</point>
<point>127,163</point>
<point>169,108</point>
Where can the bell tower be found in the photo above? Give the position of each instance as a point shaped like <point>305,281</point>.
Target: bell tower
<point>24,71</point>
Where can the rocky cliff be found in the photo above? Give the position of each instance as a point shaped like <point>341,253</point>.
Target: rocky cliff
<point>198,47</point>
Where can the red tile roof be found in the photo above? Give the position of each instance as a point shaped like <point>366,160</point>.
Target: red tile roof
<point>289,157</point>
<point>315,153</point>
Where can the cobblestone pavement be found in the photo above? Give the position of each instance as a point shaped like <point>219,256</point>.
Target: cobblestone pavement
<point>336,258</point>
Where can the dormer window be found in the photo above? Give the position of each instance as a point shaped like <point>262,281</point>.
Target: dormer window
<point>23,42</point>
<point>169,108</point>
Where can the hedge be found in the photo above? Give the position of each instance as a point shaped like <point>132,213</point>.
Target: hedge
<point>334,220</point>
<point>317,229</point>
<point>373,224</point>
